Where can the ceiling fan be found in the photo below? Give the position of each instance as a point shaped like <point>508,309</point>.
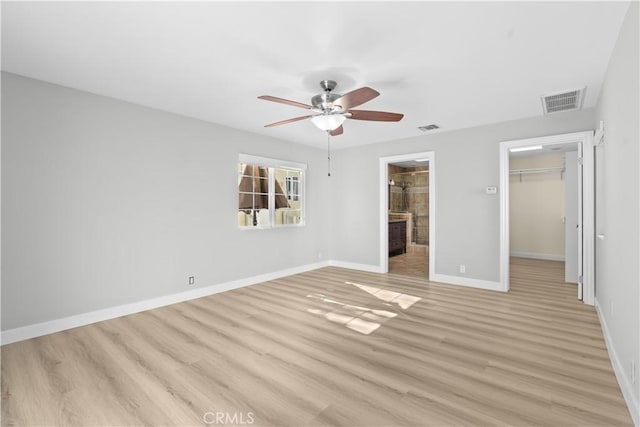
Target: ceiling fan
<point>331,109</point>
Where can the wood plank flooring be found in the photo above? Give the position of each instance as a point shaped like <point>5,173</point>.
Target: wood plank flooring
<point>330,347</point>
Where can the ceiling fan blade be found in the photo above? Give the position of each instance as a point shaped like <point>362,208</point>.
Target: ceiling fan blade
<point>337,131</point>
<point>376,116</point>
<point>285,101</point>
<point>356,97</point>
<point>284,122</point>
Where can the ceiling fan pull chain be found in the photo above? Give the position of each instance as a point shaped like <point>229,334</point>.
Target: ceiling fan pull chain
<point>328,153</point>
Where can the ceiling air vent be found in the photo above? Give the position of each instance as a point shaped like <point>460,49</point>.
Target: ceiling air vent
<point>427,128</point>
<point>563,101</point>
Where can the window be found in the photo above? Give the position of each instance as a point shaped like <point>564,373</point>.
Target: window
<point>270,193</point>
<point>293,192</point>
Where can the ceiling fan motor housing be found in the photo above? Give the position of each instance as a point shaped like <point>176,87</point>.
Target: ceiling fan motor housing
<point>324,101</point>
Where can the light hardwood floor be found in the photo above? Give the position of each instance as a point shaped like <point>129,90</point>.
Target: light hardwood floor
<point>330,347</point>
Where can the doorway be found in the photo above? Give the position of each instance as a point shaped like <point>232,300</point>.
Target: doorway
<point>544,209</point>
<point>409,217</point>
<point>578,232</point>
<point>407,209</point>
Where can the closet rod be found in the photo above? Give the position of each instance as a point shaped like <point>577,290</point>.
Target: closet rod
<point>536,170</point>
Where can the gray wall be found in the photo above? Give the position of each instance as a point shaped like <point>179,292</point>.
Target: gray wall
<point>106,203</point>
<point>467,219</point>
<point>618,255</point>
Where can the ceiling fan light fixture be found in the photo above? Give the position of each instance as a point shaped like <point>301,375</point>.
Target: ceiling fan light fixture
<point>328,122</point>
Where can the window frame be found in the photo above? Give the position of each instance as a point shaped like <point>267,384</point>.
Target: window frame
<point>292,184</point>
<point>273,164</point>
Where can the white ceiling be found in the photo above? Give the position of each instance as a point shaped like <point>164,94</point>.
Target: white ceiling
<point>454,64</point>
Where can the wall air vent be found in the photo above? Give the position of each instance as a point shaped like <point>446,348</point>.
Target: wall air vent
<point>427,128</point>
<point>563,101</point>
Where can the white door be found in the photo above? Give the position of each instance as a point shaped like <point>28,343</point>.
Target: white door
<point>571,235</point>
<point>579,226</point>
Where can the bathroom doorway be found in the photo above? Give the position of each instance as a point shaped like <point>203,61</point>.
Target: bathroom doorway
<point>408,222</point>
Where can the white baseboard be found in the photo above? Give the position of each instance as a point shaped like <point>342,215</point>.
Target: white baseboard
<point>57,325</point>
<point>440,278</point>
<point>548,257</point>
<point>466,281</point>
<point>355,266</point>
<point>623,380</point>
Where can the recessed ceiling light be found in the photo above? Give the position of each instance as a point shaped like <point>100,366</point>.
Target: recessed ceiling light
<point>530,148</point>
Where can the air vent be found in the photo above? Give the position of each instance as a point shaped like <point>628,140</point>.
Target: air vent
<point>427,128</point>
<point>563,101</point>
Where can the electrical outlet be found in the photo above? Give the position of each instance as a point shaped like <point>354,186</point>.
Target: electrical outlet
<point>463,268</point>
<point>192,280</point>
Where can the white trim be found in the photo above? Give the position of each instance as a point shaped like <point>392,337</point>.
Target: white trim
<point>627,391</point>
<point>504,217</point>
<point>270,162</point>
<point>355,266</point>
<point>50,327</point>
<point>598,135</point>
<point>429,156</point>
<point>466,281</point>
<point>588,261</point>
<point>533,255</point>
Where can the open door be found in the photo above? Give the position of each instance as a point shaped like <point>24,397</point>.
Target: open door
<point>579,226</point>
<point>571,223</point>
<point>574,243</point>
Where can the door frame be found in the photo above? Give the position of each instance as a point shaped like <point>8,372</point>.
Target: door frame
<point>384,206</point>
<point>588,207</point>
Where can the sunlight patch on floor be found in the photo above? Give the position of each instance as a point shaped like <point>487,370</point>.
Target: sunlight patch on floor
<point>404,301</point>
<point>360,319</point>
